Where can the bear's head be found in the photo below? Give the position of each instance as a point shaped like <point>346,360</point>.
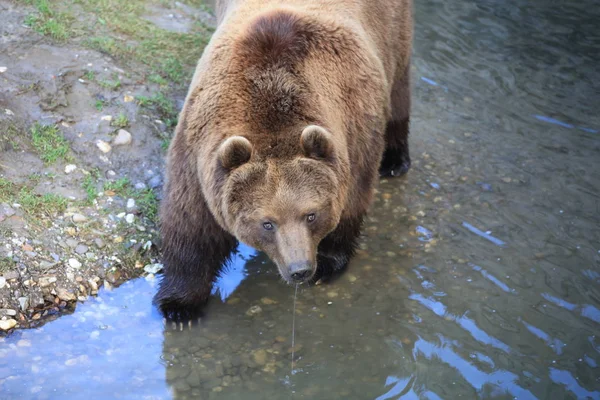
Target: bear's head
<point>283,206</point>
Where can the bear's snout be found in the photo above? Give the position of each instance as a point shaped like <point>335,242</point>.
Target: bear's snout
<point>300,271</point>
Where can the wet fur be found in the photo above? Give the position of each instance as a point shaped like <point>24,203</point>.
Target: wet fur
<point>348,72</point>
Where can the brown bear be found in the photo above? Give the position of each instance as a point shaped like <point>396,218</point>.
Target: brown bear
<point>294,108</point>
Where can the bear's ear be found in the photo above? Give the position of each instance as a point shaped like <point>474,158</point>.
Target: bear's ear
<point>234,151</point>
<point>316,142</point>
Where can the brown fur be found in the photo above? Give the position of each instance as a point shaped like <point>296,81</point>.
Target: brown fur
<point>272,70</point>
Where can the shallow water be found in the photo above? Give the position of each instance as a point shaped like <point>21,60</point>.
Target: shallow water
<point>478,275</point>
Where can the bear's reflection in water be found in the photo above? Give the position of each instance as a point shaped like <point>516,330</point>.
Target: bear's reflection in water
<point>242,347</point>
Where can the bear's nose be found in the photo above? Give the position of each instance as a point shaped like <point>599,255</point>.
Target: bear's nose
<point>300,271</point>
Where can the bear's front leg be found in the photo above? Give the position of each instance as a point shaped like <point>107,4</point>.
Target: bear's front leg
<point>337,248</point>
<point>194,246</point>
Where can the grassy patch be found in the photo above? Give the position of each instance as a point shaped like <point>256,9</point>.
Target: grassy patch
<point>113,84</point>
<point>121,121</point>
<point>147,203</point>
<point>99,104</point>
<point>123,33</point>
<point>34,203</point>
<point>7,189</point>
<point>89,75</point>
<point>120,186</point>
<point>6,264</point>
<point>145,199</point>
<point>49,143</point>
<point>47,21</point>
<point>89,184</point>
<point>162,105</point>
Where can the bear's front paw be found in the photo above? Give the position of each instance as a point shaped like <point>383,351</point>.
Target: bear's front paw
<point>177,314</point>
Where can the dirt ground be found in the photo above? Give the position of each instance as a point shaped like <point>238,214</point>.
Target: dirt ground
<point>89,96</point>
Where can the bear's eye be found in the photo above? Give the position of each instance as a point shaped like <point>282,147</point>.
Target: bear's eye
<point>311,217</point>
<point>267,225</point>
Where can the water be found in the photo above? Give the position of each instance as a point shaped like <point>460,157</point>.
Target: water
<point>478,275</point>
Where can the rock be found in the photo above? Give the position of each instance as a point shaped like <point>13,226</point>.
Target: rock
<point>7,312</point>
<point>45,281</point>
<point>267,301</point>
<point>103,146</point>
<point>99,243</point>
<point>129,218</point>
<point>140,186</point>
<point>2,282</point>
<point>81,249</point>
<point>153,268</point>
<point>254,310</point>
<point>78,218</point>
<point>130,204</point>
<point>72,243</point>
<point>155,182</point>
<point>128,98</point>
<point>7,324</point>
<point>11,275</point>
<point>74,263</point>
<point>70,168</point>
<point>106,118</point>
<point>65,295</point>
<point>23,303</point>
<point>123,138</point>
<point>6,211</point>
<point>3,70</point>
<point>260,356</point>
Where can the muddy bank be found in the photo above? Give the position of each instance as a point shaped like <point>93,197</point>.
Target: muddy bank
<point>83,134</point>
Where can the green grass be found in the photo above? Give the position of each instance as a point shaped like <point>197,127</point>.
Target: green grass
<point>123,32</point>
<point>89,184</point>
<point>147,203</point>
<point>47,21</point>
<point>145,199</point>
<point>113,84</point>
<point>89,75</point>
<point>34,203</point>
<point>31,202</point>
<point>99,104</point>
<point>156,78</point>
<point>121,121</point>
<point>7,189</point>
<point>49,143</point>
<point>119,186</point>
<point>6,264</point>
<point>162,105</point>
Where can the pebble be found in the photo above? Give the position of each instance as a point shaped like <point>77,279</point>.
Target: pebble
<point>129,218</point>
<point>260,356</point>
<point>46,280</point>
<point>103,146</point>
<point>11,275</point>
<point>23,303</point>
<point>254,310</point>
<point>267,301</point>
<point>64,294</point>
<point>79,218</point>
<point>7,312</point>
<point>72,243</point>
<point>130,204</point>
<point>140,186</point>
<point>128,98</point>
<point>74,263</point>
<point>70,168</point>
<point>2,282</point>
<point>154,182</point>
<point>123,138</point>
<point>153,268</point>
<point>7,324</point>
<point>99,243</point>
<point>81,249</point>
<point>106,118</point>
<point>3,70</point>
<point>6,211</point>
